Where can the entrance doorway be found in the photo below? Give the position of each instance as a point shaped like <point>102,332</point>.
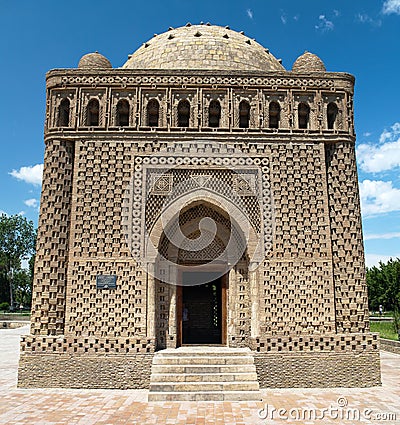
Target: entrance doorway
<point>202,308</point>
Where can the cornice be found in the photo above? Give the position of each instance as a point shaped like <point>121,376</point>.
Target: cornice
<point>202,137</point>
<point>122,78</point>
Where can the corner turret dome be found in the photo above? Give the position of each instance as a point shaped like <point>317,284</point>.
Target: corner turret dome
<point>203,47</point>
<point>94,61</point>
<point>308,62</point>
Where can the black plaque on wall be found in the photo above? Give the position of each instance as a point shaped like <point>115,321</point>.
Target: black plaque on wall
<point>106,281</point>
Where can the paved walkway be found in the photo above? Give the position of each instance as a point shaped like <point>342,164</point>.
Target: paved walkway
<point>377,405</point>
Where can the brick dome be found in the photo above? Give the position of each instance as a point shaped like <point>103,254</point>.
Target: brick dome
<point>308,62</point>
<point>207,47</point>
<point>94,61</point>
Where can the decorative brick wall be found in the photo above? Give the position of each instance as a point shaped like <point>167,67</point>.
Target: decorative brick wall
<point>48,297</point>
<point>288,370</point>
<point>88,371</point>
<point>351,296</point>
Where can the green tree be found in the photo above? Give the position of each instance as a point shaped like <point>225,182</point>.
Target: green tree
<point>22,287</point>
<point>384,288</point>
<point>17,243</point>
<point>384,285</point>
<point>376,287</point>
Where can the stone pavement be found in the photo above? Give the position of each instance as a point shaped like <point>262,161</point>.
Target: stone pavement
<point>377,405</point>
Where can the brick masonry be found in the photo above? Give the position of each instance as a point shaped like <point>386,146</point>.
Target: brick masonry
<point>389,345</point>
<point>101,371</point>
<point>318,370</point>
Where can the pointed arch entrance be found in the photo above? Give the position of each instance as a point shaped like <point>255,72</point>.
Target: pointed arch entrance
<point>200,248</point>
<point>197,241</point>
<point>202,260</point>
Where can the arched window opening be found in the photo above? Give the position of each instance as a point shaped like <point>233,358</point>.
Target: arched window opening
<point>331,113</point>
<point>274,114</point>
<point>304,115</point>
<point>183,113</point>
<point>63,113</point>
<point>214,114</point>
<point>153,112</point>
<point>244,114</point>
<point>122,113</point>
<point>93,110</point>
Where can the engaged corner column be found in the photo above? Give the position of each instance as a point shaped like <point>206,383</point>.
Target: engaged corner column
<point>254,299</point>
<point>151,302</point>
<point>232,318</point>
<point>173,317</point>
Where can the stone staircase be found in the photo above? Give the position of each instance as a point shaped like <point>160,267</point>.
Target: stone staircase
<point>204,373</point>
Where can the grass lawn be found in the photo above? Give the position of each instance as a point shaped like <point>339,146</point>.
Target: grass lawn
<point>6,315</point>
<point>385,329</point>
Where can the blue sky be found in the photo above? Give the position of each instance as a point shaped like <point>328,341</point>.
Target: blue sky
<point>357,36</point>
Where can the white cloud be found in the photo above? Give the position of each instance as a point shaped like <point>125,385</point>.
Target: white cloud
<point>378,197</point>
<point>374,259</point>
<point>367,134</point>
<point>324,24</point>
<point>336,12</point>
<point>31,174</point>
<point>3,212</point>
<point>285,19</point>
<point>250,13</point>
<point>383,157</point>
<point>391,6</point>
<point>374,159</point>
<point>377,236</point>
<point>363,18</point>
<point>390,135</point>
<point>33,203</point>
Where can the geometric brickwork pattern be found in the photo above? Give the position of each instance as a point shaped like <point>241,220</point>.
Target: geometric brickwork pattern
<point>310,301</point>
<point>298,286</point>
<point>347,244</point>
<point>48,298</point>
<point>164,185</point>
<point>222,181</point>
<point>201,254</point>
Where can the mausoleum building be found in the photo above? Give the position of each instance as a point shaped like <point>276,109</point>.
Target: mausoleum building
<point>200,195</point>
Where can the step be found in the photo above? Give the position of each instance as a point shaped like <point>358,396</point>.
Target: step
<point>206,396</point>
<point>203,360</point>
<point>203,386</point>
<point>203,377</point>
<point>199,368</point>
<point>204,374</point>
<point>201,351</point>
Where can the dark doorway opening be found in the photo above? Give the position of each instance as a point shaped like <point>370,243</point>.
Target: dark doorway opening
<point>202,308</point>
